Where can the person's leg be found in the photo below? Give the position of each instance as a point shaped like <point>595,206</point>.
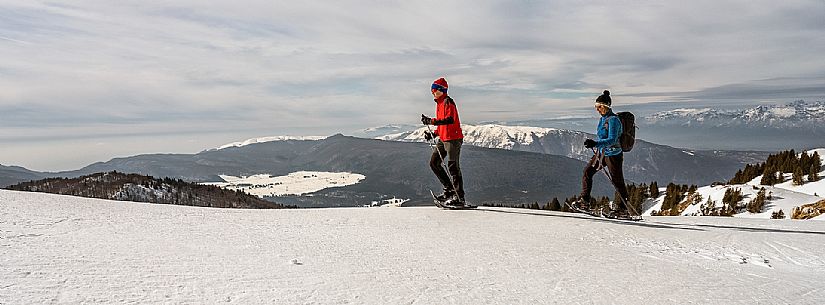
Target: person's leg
<point>435,164</point>
<point>614,166</point>
<point>454,152</point>
<point>587,178</point>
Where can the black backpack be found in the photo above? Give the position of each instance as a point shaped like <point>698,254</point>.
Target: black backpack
<point>628,136</point>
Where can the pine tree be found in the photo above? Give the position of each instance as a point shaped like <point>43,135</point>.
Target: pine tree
<point>805,161</point>
<point>768,176</point>
<point>654,190</point>
<point>635,198</point>
<point>789,162</point>
<point>738,177</point>
<point>758,203</point>
<point>670,194</point>
<point>555,205</point>
<point>643,190</point>
<point>778,215</point>
<point>797,176</point>
<point>709,208</point>
<point>815,167</point>
<point>730,202</point>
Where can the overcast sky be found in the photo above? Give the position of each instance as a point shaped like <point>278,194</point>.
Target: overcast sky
<point>85,81</point>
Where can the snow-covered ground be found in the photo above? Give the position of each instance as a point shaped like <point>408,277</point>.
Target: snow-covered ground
<point>60,249</point>
<point>781,199</point>
<point>297,183</point>
<point>784,196</point>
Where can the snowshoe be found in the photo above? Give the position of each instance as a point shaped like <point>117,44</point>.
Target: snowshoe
<point>452,203</point>
<point>456,203</point>
<point>438,203</point>
<point>622,215</point>
<point>584,205</point>
<point>446,195</point>
<point>601,214</point>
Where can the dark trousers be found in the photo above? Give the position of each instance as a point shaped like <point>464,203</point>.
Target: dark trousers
<point>614,167</point>
<point>451,149</point>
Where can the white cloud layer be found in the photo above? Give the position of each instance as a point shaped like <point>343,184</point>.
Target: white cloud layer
<point>99,69</point>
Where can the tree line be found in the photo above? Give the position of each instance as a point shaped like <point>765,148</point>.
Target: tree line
<point>139,188</point>
<point>774,168</point>
<point>637,193</point>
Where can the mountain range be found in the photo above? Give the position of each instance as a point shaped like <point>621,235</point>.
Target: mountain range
<point>646,162</point>
<point>391,168</point>
<point>773,127</point>
<point>796,125</point>
<point>14,174</point>
<point>502,164</point>
<point>795,115</point>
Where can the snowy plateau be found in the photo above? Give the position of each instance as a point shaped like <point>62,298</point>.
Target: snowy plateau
<point>297,183</point>
<point>68,250</point>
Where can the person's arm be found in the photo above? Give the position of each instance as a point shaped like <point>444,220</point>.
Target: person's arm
<point>614,130</point>
<point>449,113</point>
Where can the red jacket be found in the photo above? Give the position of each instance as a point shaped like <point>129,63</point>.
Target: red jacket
<point>446,118</point>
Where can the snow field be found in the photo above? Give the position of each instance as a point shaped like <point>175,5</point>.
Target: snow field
<point>297,183</point>
<point>61,249</point>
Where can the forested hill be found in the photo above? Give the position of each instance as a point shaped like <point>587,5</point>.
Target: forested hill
<point>140,188</point>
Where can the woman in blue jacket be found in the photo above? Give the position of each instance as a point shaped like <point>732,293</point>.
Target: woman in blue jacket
<point>608,153</point>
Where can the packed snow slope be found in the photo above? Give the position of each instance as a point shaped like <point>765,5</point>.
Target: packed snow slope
<point>60,249</point>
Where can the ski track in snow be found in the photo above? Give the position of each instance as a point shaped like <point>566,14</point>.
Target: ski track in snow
<point>61,249</point>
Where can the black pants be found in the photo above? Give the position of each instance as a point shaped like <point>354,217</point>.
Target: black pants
<point>451,149</point>
<point>614,167</point>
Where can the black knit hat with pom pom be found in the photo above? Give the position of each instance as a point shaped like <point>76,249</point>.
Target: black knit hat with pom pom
<point>604,99</point>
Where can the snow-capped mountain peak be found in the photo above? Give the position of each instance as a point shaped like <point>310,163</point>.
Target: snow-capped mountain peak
<point>270,139</point>
<point>795,114</point>
<point>489,135</point>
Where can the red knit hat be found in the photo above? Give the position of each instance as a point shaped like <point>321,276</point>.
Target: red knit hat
<point>440,85</point>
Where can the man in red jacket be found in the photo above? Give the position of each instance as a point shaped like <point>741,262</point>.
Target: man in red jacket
<point>449,144</point>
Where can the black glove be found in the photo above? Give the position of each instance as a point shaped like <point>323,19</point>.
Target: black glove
<point>426,120</point>
<point>429,135</point>
<point>589,143</point>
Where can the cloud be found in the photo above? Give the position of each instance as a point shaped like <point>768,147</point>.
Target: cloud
<point>325,67</point>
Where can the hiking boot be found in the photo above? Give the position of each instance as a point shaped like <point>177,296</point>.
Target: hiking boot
<point>446,195</point>
<point>585,204</point>
<point>455,201</point>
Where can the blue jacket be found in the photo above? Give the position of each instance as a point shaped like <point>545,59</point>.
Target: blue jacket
<point>608,132</point>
